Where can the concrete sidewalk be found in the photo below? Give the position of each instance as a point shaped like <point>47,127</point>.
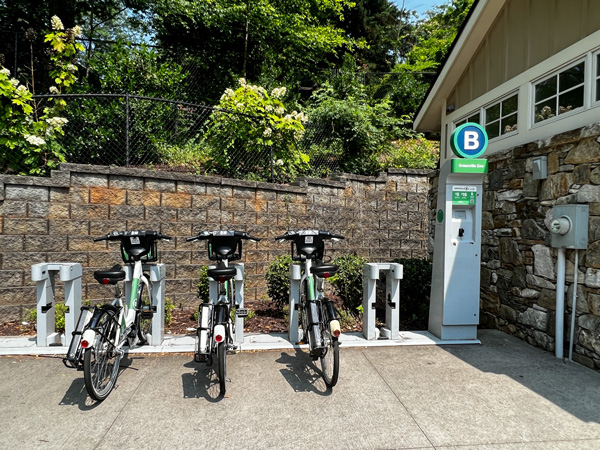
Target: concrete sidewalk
<point>503,394</point>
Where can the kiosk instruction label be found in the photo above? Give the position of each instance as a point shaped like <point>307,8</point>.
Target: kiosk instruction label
<point>464,195</point>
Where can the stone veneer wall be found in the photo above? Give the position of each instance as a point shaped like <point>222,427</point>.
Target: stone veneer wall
<point>54,219</point>
<point>518,267</point>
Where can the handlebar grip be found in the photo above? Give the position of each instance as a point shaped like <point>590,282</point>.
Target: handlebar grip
<point>191,238</point>
<point>252,238</point>
<point>101,238</point>
<point>337,236</point>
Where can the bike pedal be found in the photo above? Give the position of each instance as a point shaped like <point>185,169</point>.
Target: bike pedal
<point>241,313</point>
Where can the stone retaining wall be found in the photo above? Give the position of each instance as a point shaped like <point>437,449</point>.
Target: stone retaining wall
<point>518,273</point>
<point>54,220</point>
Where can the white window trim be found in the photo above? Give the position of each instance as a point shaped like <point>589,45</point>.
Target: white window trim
<point>595,68</point>
<point>499,102</point>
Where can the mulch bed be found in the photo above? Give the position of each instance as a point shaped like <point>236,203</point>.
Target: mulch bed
<point>267,319</point>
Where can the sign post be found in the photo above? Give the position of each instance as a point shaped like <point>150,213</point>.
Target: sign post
<point>454,307</point>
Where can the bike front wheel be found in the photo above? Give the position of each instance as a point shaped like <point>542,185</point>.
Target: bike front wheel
<point>101,362</point>
<point>330,361</point>
<point>222,365</point>
<point>144,314</point>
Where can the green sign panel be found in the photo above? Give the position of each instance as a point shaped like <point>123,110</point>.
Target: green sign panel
<point>464,197</point>
<point>469,166</point>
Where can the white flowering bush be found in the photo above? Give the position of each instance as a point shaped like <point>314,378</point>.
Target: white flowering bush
<point>26,133</point>
<point>251,125</point>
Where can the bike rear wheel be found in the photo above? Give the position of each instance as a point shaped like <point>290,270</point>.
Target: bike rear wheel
<point>222,366</point>
<point>330,361</point>
<point>143,315</point>
<point>101,362</point>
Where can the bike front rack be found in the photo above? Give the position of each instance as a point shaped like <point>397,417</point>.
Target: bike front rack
<point>43,274</point>
<point>295,278</point>
<point>394,273</point>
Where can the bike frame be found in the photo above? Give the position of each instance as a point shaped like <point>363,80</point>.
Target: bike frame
<point>127,311</point>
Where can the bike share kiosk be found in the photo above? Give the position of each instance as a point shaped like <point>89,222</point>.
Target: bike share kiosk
<point>454,307</point>
<point>43,274</point>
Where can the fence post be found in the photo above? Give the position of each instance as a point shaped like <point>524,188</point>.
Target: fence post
<point>127,130</point>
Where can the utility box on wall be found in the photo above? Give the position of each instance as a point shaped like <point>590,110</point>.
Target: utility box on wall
<point>569,226</point>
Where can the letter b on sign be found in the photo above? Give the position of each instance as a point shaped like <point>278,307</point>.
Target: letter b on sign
<point>469,140</point>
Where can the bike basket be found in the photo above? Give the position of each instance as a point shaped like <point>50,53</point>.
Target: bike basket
<point>139,248</point>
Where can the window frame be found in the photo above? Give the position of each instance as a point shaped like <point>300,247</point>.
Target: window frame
<point>595,83</point>
<point>556,96</point>
<point>499,102</point>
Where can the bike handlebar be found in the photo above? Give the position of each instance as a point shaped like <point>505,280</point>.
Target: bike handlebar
<point>204,235</point>
<point>117,235</point>
<point>289,235</point>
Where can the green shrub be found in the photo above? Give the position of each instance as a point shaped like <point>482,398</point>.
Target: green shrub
<point>169,307</point>
<point>59,317</point>
<point>413,154</point>
<point>203,292</point>
<point>278,280</point>
<point>348,281</point>
<point>415,288</point>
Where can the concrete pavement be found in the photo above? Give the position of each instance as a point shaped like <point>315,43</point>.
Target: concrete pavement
<point>502,394</point>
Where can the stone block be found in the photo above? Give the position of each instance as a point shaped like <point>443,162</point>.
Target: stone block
<point>74,194</point>
<point>534,318</point>
<point>22,261</point>
<point>25,226</point>
<point>176,200</point>
<point>595,175</point>
<point>588,194</point>
<point>125,182</point>
<point>206,202</point>
<point>12,278</point>
<point>106,196</point>
<point>191,215</point>
<point>89,179</point>
<point>156,184</point>
<point>592,278</point>
<point>10,243</point>
<point>59,211</point>
<point>543,264</point>
<point>81,243</point>
<point>13,208</point>
<point>47,243</point>
<point>219,191</point>
<point>176,229</point>
<point>27,193</point>
<point>186,271</point>
<point>586,151</point>
<point>89,211</point>
<point>126,212</point>
<point>233,204</point>
<point>143,198</point>
<point>175,256</point>
<point>101,227</point>
<point>191,188</point>
<point>24,295</point>
<point>69,227</point>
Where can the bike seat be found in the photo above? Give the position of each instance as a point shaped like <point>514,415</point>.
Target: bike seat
<point>222,272</point>
<point>110,276</point>
<point>324,270</point>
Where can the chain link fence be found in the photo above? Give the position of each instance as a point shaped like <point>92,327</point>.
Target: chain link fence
<point>135,131</point>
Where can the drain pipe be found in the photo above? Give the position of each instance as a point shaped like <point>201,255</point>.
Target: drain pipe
<point>574,309</point>
<point>560,301</point>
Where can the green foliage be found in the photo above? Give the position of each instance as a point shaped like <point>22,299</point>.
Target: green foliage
<point>26,133</point>
<point>413,154</point>
<point>252,123</point>
<point>203,291</point>
<point>59,316</point>
<point>415,288</point>
<point>348,280</point>
<point>278,280</point>
<point>169,307</point>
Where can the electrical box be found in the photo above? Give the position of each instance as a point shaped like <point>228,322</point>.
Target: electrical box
<point>540,168</point>
<point>569,226</point>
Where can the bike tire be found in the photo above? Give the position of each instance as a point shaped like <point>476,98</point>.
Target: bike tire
<point>222,366</point>
<point>330,361</point>
<point>143,307</point>
<point>101,362</point>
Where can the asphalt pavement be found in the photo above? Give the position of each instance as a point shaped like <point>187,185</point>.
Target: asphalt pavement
<point>499,394</point>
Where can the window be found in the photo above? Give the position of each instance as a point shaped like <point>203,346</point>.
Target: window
<point>501,117</point>
<point>597,77</point>
<point>472,118</point>
<point>560,93</point>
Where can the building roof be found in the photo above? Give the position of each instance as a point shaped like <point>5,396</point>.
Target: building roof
<point>468,39</point>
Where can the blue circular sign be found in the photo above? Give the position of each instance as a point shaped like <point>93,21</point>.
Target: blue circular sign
<point>469,140</point>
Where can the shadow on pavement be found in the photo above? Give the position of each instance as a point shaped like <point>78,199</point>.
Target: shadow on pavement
<point>202,383</point>
<point>301,373</point>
